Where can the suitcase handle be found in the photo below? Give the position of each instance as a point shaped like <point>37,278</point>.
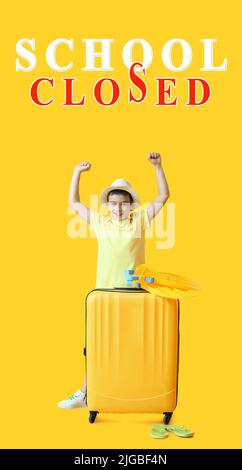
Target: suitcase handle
<point>127,289</point>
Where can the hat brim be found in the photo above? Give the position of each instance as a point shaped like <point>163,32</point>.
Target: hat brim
<point>104,193</point>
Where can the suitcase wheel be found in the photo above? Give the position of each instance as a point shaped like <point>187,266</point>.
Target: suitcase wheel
<point>92,416</point>
<point>167,418</point>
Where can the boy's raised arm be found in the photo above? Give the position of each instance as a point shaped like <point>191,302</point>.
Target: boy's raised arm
<point>74,199</point>
<point>163,190</point>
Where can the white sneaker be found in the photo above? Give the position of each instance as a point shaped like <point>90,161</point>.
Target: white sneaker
<point>77,400</point>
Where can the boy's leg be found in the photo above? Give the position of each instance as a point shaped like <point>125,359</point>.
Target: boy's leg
<point>84,387</point>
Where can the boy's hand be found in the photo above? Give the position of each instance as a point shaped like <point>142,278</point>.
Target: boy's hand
<point>83,166</point>
<point>154,158</point>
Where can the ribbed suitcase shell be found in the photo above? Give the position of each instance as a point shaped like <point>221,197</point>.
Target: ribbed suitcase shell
<point>132,348</point>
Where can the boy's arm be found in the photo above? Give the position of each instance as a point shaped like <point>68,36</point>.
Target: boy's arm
<point>74,199</point>
<point>163,190</point>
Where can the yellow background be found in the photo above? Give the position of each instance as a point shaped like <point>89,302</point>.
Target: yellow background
<point>46,274</point>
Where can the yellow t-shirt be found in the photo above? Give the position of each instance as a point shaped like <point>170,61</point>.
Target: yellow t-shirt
<point>121,245</point>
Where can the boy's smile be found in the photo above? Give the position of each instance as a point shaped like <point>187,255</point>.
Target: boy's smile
<point>119,206</point>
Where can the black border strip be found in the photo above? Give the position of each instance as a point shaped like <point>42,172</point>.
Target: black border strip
<point>74,458</point>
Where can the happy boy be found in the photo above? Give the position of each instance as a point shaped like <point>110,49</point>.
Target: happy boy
<point>120,234</point>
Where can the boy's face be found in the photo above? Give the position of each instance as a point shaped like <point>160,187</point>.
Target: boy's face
<point>119,206</point>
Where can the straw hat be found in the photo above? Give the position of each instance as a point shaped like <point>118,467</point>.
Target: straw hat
<point>119,184</point>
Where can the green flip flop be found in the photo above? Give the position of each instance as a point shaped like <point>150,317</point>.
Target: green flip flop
<point>179,431</point>
<point>158,431</point>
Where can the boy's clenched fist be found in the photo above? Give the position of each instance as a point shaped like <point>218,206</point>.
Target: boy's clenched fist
<point>83,166</point>
<point>154,158</point>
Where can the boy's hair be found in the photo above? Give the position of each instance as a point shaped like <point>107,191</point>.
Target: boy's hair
<point>120,191</point>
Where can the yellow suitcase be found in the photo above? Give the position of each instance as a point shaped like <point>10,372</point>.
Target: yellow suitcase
<point>132,350</point>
